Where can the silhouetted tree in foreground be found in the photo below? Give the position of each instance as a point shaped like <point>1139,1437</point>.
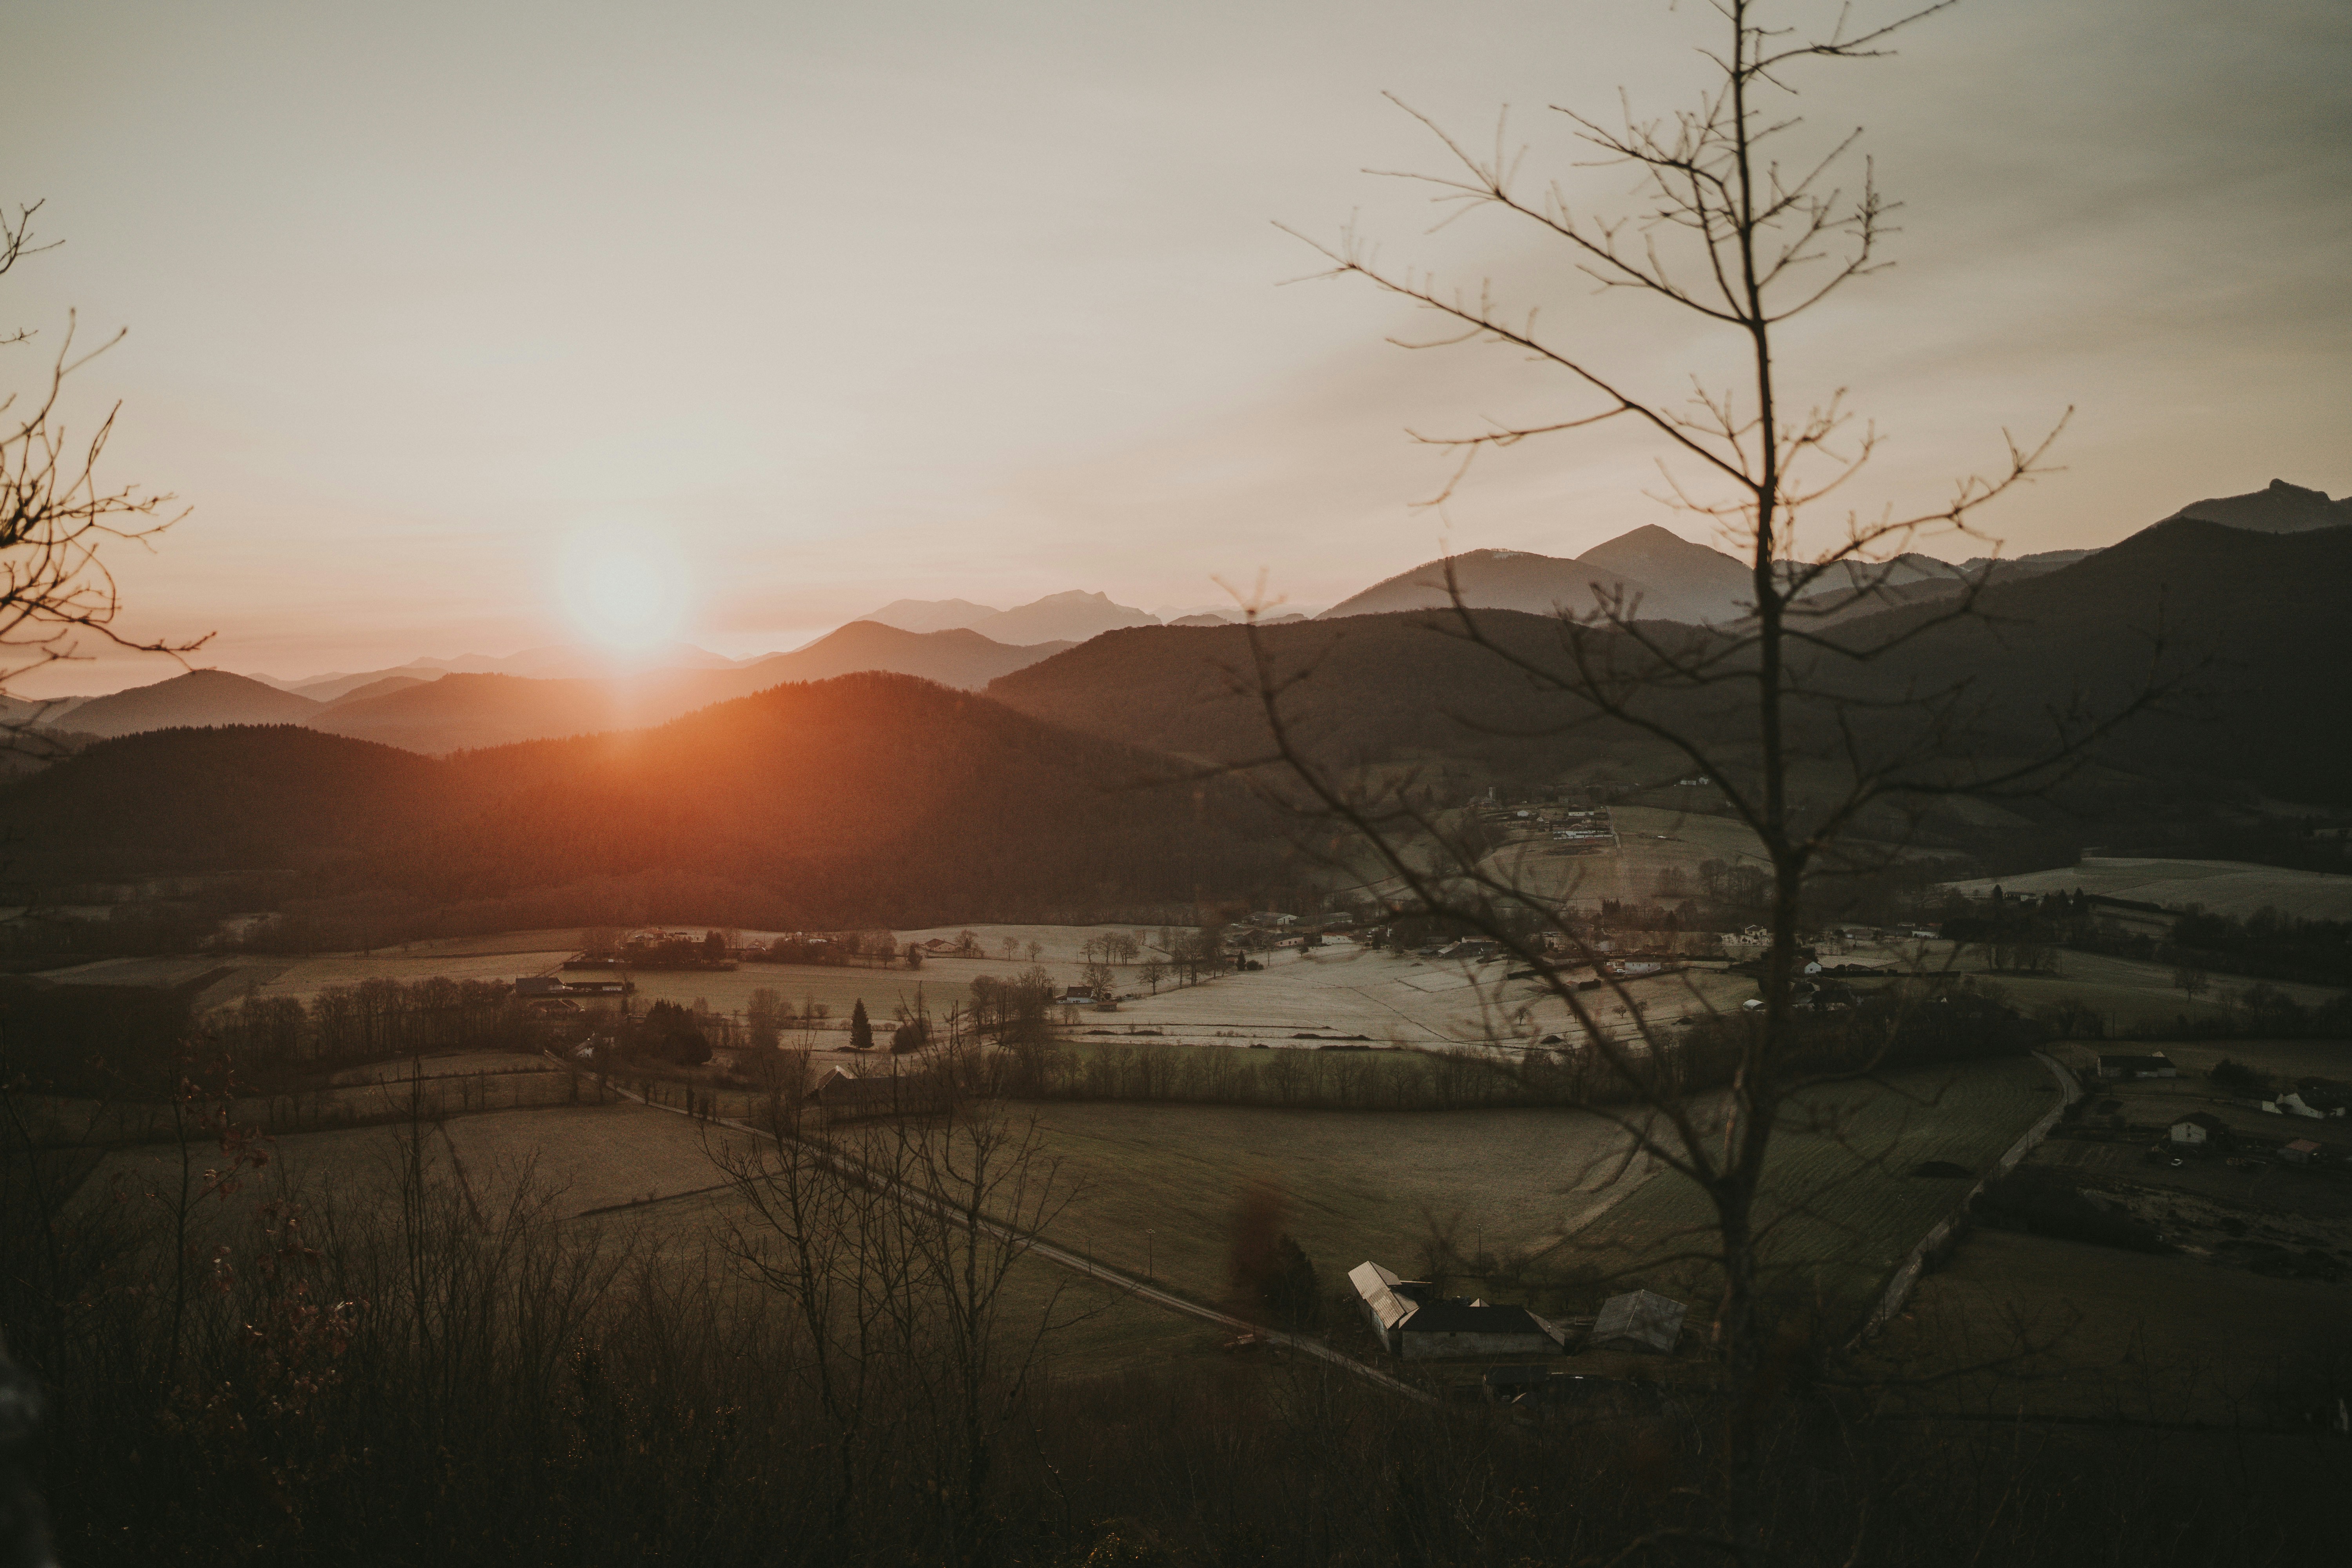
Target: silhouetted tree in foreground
<point>1782,710</point>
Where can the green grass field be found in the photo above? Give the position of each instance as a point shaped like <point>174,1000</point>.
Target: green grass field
<point>1843,1208</point>
<point>1159,1185</point>
<point>2033,1325</point>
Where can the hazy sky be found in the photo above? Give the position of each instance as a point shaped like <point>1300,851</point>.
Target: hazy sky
<point>828,305</point>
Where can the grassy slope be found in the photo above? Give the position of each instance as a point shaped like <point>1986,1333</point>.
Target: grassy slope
<point>1354,1185</point>
<point>1844,1208</point>
<point>2117,1334</point>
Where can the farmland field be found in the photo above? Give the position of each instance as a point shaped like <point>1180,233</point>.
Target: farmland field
<point>2129,994</point>
<point>2225,887</point>
<point>1337,989</point>
<point>2128,1334</point>
<point>1844,1205</point>
<point>1354,1185</point>
<point>1651,840</point>
<point>1345,989</point>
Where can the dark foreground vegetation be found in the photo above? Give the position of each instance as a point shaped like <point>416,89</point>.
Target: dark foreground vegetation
<point>397,1377</point>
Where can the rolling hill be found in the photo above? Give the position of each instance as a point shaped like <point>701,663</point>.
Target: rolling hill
<point>461,710</point>
<point>200,697</point>
<point>865,799</point>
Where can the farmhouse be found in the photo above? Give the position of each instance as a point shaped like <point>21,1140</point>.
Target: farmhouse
<point>2157,1065</point>
<point>844,1096</point>
<point>1638,1320</point>
<point>1419,1327</point>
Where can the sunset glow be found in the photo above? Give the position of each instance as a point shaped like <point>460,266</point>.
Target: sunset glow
<point>624,591</point>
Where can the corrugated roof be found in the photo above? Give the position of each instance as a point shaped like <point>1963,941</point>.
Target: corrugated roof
<point>1477,1318</point>
<point>1378,1286</point>
<point>1643,1320</point>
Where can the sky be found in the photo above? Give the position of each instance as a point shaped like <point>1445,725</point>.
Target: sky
<point>446,323</point>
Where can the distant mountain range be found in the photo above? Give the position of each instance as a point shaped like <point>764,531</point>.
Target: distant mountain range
<point>1653,573</point>
<point>442,705</point>
<point>1072,616</point>
<point>2252,622</point>
<point>462,710</point>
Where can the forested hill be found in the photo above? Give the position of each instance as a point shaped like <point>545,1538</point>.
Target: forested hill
<point>2254,637</point>
<point>866,799</point>
<point>2248,630</point>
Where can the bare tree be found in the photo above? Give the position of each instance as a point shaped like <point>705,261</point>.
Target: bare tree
<point>894,1244</point>
<point>1788,696</point>
<point>57,517</point>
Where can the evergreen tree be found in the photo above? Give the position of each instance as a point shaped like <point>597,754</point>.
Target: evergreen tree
<point>861,1028</point>
<point>1288,1290</point>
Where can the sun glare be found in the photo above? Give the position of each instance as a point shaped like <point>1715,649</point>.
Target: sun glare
<point>625,590</point>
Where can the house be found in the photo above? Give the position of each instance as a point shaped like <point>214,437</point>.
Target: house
<point>2199,1129</point>
<point>1414,1324</point>
<point>844,1096</point>
<point>541,985</point>
<point>2301,1152</point>
<point>1638,1320</point>
<point>2157,1065</point>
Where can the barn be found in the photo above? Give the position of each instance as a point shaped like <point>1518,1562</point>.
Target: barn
<point>1418,1325</point>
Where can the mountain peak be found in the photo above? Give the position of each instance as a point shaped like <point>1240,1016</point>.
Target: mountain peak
<point>2278,507</point>
<point>1688,581</point>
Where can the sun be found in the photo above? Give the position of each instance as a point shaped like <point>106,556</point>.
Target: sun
<point>625,590</point>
